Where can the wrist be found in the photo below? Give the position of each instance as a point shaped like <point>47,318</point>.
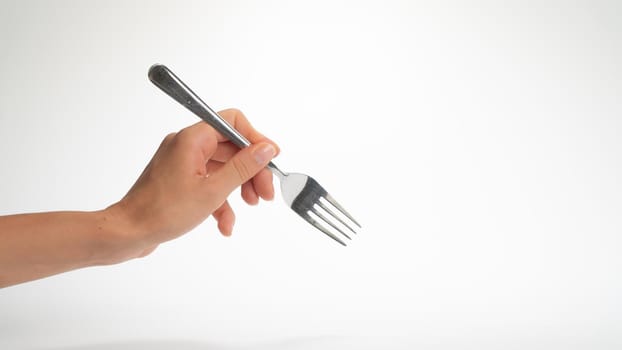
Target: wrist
<point>118,236</point>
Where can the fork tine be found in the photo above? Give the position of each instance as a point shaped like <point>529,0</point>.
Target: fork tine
<point>332,201</point>
<point>317,212</point>
<point>317,225</point>
<point>323,206</point>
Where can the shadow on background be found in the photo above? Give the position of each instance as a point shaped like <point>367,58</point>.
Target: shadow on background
<point>299,343</point>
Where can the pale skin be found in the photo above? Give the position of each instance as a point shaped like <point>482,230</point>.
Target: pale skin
<point>188,179</point>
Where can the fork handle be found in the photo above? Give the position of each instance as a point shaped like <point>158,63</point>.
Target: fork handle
<point>168,82</point>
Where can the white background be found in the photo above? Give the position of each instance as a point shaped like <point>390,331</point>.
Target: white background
<point>478,144</point>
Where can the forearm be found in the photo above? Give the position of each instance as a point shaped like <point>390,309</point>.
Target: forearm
<point>33,246</point>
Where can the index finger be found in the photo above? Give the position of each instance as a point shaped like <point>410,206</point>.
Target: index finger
<point>238,120</point>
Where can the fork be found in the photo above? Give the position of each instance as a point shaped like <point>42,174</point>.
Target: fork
<point>301,192</point>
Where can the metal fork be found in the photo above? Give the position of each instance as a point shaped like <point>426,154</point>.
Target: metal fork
<point>301,192</point>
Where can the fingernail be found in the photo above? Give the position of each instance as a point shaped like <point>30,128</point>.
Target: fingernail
<point>264,153</point>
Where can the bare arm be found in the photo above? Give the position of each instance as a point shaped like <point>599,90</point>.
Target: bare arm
<point>33,246</point>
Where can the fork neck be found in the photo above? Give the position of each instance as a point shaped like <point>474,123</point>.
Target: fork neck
<point>276,171</point>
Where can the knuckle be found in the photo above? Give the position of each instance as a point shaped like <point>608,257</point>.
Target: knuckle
<point>182,134</point>
<point>168,138</point>
<point>187,137</point>
<point>233,111</point>
<point>232,115</point>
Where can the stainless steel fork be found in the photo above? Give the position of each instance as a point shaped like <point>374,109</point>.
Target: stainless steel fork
<point>301,192</point>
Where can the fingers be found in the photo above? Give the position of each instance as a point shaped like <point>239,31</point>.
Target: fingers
<point>201,136</point>
<point>262,183</point>
<point>259,187</point>
<point>227,149</point>
<point>225,218</point>
<point>238,120</point>
<point>226,167</point>
<point>249,194</point>
<point>247,163</point>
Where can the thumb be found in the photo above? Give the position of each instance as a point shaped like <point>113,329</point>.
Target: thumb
<point>240,168</point>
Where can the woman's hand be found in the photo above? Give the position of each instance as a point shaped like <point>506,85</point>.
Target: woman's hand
<point>189,178</point>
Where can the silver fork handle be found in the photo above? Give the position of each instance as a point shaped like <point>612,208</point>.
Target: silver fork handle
<point>168,82</point>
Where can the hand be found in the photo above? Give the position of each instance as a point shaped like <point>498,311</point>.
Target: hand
<point>189,178</point>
